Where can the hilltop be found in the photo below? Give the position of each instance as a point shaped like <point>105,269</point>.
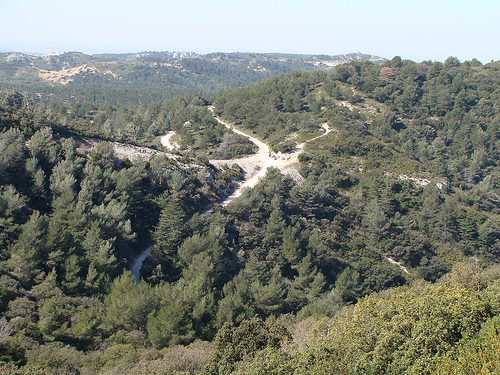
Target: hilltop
<point>138,78</point>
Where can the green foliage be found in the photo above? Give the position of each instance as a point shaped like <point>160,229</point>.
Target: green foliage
<point>232,344</point>
<point>12,351</point>
<point>127,306</point>
<point>274,109</point>
<point>358,222</point>
<point>27,253</point>
<point>56,359</point>
<point>69,227</point>
<point>444,328</point>
<point>477,355</point>
<point>169,230</point>
<point>121,354</point>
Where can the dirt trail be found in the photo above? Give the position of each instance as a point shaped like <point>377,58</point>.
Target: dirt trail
<point>255,166</point>
<point>165,141</point>
<point>392,261</point>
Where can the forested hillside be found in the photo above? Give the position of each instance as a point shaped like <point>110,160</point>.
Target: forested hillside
<point>142,78</point>
<point>383,260</point>
<point>448,135</point>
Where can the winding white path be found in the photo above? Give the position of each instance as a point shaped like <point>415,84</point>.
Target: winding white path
<point>136,266</point>
<point>255,166</point>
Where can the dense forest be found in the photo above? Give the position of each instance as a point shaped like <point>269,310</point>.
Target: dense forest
<point>382,259</point>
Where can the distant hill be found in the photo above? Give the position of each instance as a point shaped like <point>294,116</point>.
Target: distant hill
<point>138,78</point>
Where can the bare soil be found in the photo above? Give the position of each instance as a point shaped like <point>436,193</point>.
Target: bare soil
<point>122,150</point>
<point>64,76</point>
<point>165,141</point>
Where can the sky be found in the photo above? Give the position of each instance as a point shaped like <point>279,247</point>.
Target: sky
<point>413,29</point>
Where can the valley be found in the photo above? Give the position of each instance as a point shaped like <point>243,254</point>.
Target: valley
<point>254,167</point>
<point>316,221</point>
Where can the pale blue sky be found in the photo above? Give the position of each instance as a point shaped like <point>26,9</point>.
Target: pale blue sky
<point>414,29</point>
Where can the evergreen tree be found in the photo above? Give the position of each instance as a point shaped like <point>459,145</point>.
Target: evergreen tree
<point>168,232</point>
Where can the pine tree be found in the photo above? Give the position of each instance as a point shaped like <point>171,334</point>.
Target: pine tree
<point>27,253</point>
<point>291,244</point>
<point>128,305</point>
<point>168,232</point>
<point>273,231</point>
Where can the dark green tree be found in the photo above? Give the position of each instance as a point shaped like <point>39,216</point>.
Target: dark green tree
<point>169,230</point>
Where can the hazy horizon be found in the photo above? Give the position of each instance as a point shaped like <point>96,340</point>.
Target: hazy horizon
<point>415,30</point>
<point>41,53</point>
